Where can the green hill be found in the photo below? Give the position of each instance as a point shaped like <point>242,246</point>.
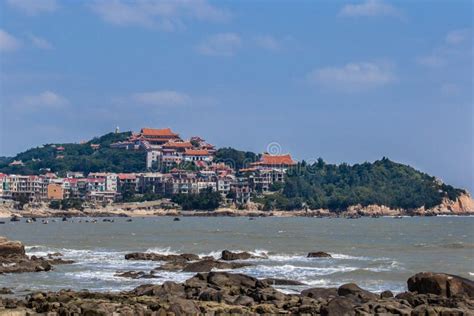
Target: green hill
<point>79,157</point>
<point>335,187</point>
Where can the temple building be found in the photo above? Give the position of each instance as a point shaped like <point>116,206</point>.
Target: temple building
<point>158,136</point>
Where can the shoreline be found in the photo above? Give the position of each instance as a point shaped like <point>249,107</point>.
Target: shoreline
<point>223,212</point>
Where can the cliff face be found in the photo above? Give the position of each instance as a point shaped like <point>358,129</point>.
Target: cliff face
<point>464,204</point>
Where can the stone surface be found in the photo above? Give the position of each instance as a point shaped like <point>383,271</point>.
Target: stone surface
<point>440,284</point>
<point>319,254</point>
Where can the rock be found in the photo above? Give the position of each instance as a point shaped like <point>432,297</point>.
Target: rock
<point>160,257</point>
<point>184,307</point>
<point>319,254</point>
<point>54,254</point>
<point>172,266</point>
<point>208,265</point>
<point>386,294</point>
<point>244,300</point>
<point>318,292</point>
<point>440,284</point>
<point>340,306</point>
<point>352,290</point>
<point>137,275</point>
<point>9,248</point>
<point>274,281</point>
<point>5,290</point>
<point>229,255</point>
<point>14,260</point>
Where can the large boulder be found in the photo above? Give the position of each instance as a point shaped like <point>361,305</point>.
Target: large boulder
<point>319,292</point>
<point>352,290</point>
<point>11,248</point>
<point>229,255</point>
<point>440,284</point>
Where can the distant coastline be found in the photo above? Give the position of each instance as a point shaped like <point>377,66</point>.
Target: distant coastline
<point>464,207</point>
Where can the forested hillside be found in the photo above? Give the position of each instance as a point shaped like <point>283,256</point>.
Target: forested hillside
<point>335,187</point>
<point>79,157</point>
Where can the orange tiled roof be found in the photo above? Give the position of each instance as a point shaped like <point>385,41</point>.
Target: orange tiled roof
<point>276,160</point>
<point>196,152</point>
<point>157,132</point>
<point>125,176</point>
<point>178,145</point>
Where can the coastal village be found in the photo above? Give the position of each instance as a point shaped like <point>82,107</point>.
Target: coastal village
<point>190,168</point>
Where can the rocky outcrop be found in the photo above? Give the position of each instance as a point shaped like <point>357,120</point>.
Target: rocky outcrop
<point>228,293</point>
<point>11,248</point>
<point>160,257</point>
<point>229,255</point>
<point>137,275</point>
<point>14,260</point>
<point>210,264</point>
<point>319,254</point>
<point>440,284</point>
<point>464,204</point>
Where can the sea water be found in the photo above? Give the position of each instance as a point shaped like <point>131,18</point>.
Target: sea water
<point>376,253</point>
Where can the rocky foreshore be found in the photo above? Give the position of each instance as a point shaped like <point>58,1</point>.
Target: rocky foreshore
<point>224,293</point>
<point>217,292</point>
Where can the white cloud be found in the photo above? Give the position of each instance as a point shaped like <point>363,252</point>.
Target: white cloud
<point>223,44</point>
<point>457,36</point>
<point>40,42</point>
<point>34,7</point>
<point>162,14</point>
<point>8,42</point>
<point>43,100</point>
<point>369,8</point>
<point>161,98</point>
<point>353,76</point>
<point>455,48</point>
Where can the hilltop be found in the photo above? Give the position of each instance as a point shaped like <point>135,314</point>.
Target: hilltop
<point>314,186</point>
<point>91,156</point>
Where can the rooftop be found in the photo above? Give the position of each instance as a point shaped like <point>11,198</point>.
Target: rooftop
<point>158,132</point>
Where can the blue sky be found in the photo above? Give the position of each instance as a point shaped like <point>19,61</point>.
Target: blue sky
<point>349,81</point>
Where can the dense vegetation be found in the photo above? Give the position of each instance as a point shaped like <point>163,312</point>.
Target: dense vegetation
<point>79,157</point>
<point>205,200</point>
<point>237,159</point>
<point>336,187</point>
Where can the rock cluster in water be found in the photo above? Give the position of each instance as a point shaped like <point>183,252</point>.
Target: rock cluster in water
<point>211,293</point>
<point>14,260</point>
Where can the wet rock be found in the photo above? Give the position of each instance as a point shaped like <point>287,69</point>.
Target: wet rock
<point>440,284</point>
<point>160,257</point>
<point>319,292</point>
<point>229,255</point>
<point>54,254</point>
<point>137,275</point>
<point>353,290</point>
<point>208,265</point>
<point>386,294</point>
<point>172,266</point>
<point>274,281</point>
<point>319,254</point>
